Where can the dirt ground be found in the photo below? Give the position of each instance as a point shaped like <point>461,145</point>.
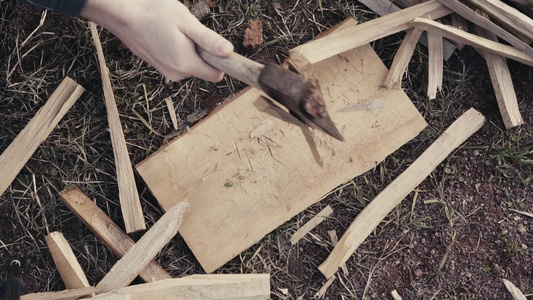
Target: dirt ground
<point>456,237</point>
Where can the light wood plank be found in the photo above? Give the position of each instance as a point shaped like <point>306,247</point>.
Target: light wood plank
<point>334,241</point>
<point>365,223</point>
<point>311,224</point>
<point>385,7</point>
<point>513,290</point>
<point>460,23</point>
<point>367,32</point>
<point>62,295</point>
<point>106,230</point>
<point>507,15</point>
<point>402,58</point>
<point>436,67</point>
<point>240,189</point>
<point>215,287</point>
<point>144,251</point>
<point>41,125</point>
<point>127,189</point>
<point>502,83</point>
<point>68,266</point>
<point>172,112</point>
<point>479,20</point>
<point>473,40</point>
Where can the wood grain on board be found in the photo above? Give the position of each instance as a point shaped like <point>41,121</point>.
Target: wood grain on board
<point>240,188</point>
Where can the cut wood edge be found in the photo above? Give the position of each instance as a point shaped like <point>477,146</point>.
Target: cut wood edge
<point>513,290</point>
<point>106,230</point>
<point>311,224</point>
<point>17,154</point>
<point>365,223</point>
<point>144,251</point>
<point>66,262</point>
<point>473,40</point>
<point>367,32</point>
<point>130,203</point>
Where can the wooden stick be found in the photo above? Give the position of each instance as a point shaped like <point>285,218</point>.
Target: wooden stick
<point>127,189</point>
<point>210,286</point>
<point>317,219</point>
<point>41,125</point>
<point>106,230</point>
<point>63,295</point>
<point>322,291</point>
<point>172,112</point>
<point>334,241</point>
<point>367,32</point>
<point>393,194</point>
<point>460,23</point>
<point>473,40</point>
<point>402,58</point>
<point>507,15</point>
<point>477,19</point>
<point>513,290</point>
<point>436,67</point>
<point>502,84</point>
<point>144,251</point>
<point>66,262</point>
<point>385,7</point>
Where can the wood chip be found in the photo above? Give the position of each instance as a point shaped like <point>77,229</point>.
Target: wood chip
<point>513,290</point>
<point>253,35</point>
<point>264,127</point>
<point>395,295</point>
<point>172,112</point>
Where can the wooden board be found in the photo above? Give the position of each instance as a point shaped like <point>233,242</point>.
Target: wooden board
<point>365,223</point>
<point>473,40</point>
<point>479,20</point>
<point>62,295</point>
<point>367,32</point>
<point>144,251</point>
<point>502,83</point>
<point>195,287</point>
<point>66,262</point>
<point>41,125</point>
<point>127,189</point>
<point>317,219</point>
<point>239,189</point>
<point>385,7</point>
<point>436,67</point>
<point>106,230</point>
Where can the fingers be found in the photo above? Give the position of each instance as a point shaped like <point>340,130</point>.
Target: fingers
<point>207,38</point>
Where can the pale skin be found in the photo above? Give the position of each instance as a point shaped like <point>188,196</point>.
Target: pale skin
<point>163,33</point>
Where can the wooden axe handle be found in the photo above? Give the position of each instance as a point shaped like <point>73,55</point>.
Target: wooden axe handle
<point>235,65</point>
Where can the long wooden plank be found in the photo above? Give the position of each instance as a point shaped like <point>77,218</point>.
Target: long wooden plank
<point>385,7</point>
<point>436,67</point>
<point>507,15</point>
<point>106,230</point>
<point>62,295</point>
<point>479,20</point>
<point>68,266</point>
<point>144,251</point>
<point>317,219</point>
<point>215,287</point>
<point>242,188</point>
<point>502,83</point>
<point>402,58</point>
<point>473,40</point>
<point>127,189</point>
<point>392,195</point>
<point>367,32</point>
<point>41,125</point>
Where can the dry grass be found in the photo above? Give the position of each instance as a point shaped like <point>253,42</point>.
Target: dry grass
<point>452,239</point>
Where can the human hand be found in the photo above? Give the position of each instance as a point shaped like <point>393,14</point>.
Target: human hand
<point>163,33</point>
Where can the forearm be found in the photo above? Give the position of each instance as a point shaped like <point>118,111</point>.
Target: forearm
<point>111,14</point>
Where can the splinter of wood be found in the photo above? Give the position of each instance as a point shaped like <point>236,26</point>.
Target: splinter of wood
<point>317,219</point>
<point>436,67</point>
<point>365,223</point>
<point>68,266</point>
<point>106,230</point>
<point>144,251</point>
<point>127,189</point>
<point>402,58</point>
